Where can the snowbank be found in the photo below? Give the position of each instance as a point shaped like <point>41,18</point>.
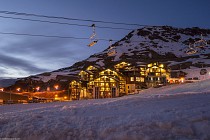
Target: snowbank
<point>174,112</point>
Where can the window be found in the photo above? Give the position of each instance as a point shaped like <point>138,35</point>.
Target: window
<point>139,79</point>
<point>132,79</point>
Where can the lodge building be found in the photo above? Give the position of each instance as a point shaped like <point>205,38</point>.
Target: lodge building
<point>124,78</point>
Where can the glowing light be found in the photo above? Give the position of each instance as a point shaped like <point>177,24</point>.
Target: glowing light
<point>161,65</point>
<point>65,97</point>
<point>37,88</point>
<point>1,89</point>
<point>56,87</point>
<point>182,80</point>
<point>18,89</point>
<point>149,65</point>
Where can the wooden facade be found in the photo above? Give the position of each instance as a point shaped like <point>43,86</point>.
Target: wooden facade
<point>124,78</point>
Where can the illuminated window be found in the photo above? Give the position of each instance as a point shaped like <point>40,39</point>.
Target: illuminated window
<point>161,65</point>
<point>132,79</point>
<point>140,79</point>
<point>157,74</point>
<point>111,80</point>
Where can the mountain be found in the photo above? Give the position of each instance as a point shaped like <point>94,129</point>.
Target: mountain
<point>7,82</point>
<point>148,44</point>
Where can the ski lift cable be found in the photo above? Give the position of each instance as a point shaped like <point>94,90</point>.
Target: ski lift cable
<point>63,23</point>
<point>67,18</point>
<point>49,36</point>
<point>56,36</point>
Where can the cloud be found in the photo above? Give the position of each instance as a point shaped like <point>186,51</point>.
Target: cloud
<point>31,55</point>
<point>9,62</point>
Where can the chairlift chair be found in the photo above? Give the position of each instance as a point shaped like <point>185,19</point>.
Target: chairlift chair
<point>94,32</point>
<point>200,43</point>
<point>191,50</point>
<point>92,43</point>
<point>112,50</point>
<point>93,37</point>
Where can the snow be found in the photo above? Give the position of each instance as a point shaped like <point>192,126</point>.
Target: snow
<point>101,63</point>
<point>172,112</point>
<point>195,72</point>
<point>142,45</point>
<point>91,59</point>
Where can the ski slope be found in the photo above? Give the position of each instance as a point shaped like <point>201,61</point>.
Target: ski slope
<point>170,112</point>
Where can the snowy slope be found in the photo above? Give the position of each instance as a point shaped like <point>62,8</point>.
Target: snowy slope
<point>162,43</point>
<point>173,112</point>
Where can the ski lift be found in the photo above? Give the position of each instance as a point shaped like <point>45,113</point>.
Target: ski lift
<point>191,50</point>
<point>93,37</point>
<point>200,43</point>
<point>92,43</point>
<point>112,50</point>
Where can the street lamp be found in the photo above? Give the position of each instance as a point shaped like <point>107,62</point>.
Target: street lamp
<point>56,87</point>
<point>1,89</point>
<point>56,97</point>
<point>18,89</point>
<point>37,89</point>
<point>65,97</point>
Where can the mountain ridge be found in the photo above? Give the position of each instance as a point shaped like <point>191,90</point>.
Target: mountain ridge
<point>148,44</point>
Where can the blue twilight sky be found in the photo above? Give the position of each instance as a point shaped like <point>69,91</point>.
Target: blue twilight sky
<point>22,55</point>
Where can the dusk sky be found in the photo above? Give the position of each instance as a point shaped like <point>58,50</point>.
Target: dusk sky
<point>22,56</point>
